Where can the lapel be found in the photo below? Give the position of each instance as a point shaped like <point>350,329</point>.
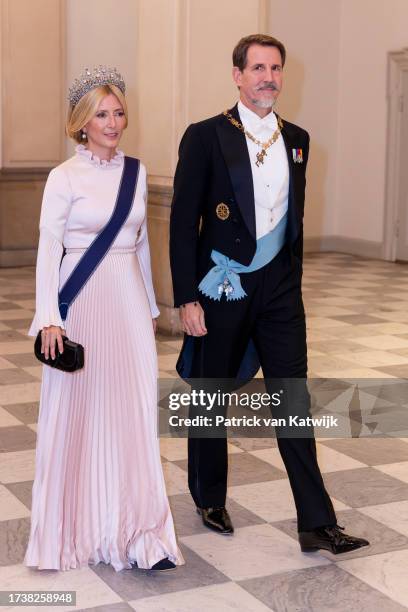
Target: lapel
<point>235,151</point>
<point>293,220</point>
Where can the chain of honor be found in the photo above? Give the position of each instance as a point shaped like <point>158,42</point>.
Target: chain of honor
<point>265,145</point>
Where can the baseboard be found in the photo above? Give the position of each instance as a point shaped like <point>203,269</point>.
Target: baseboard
<point>340,244</point>
<point>14,258</point>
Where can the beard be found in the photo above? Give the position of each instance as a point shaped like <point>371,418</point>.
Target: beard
<point>264,103</point>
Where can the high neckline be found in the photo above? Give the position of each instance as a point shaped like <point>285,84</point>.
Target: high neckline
<point>115,161</point>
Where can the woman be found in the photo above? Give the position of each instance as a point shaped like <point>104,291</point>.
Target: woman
<point>99,492</point>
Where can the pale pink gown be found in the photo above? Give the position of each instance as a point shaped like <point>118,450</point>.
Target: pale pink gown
<point>99,492</point>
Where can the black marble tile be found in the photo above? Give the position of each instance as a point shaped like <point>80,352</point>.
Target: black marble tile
<point>15,376</point>
<point>365,487</point>
<point>22,490</point>
<point>13,540</point>
<point>25,412</point>
<point>319,589</point>
<point>16,438</point>
<point>135,584</point>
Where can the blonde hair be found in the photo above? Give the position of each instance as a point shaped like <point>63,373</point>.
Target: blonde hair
<point>85,109</point>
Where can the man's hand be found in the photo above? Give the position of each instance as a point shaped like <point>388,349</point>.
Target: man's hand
<point>192,319</point>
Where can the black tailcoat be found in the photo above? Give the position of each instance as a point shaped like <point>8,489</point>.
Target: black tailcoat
<point>213,168</point>
<point>269,323</point>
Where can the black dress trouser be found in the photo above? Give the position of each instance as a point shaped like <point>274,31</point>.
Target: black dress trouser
<point>272,314</point>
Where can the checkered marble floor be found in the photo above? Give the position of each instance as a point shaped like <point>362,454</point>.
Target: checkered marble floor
<point>357,328</point>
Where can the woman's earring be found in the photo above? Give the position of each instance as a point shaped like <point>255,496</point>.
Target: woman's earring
<point>83,136</point>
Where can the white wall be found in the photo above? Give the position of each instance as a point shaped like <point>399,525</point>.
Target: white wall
<point>369,30</point>
<point>310,32</point>
<point>105,32</point>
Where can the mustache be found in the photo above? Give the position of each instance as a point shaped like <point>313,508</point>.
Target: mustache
<point>268,85</point>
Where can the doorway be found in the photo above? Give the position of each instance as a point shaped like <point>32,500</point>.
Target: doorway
<point>396,196</point>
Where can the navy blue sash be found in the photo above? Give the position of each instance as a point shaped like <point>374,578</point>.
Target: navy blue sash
<point>94,254</point>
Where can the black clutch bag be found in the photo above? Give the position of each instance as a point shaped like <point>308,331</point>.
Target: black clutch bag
<point>70,360</point>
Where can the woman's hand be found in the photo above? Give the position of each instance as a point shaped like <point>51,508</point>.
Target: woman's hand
<point>49,336</point>
<point>154,325</point>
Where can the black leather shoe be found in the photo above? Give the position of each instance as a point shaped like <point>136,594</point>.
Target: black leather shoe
<point>163,565</point>
<point>330,538</point>
<point>217,519</point>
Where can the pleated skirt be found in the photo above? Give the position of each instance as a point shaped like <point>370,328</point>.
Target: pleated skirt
<point>99,492</point>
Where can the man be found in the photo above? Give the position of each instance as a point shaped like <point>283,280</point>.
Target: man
<point>236,241</point>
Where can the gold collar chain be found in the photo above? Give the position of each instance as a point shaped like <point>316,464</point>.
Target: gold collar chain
<point>264,145</point>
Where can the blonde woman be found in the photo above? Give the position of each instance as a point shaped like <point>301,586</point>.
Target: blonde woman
<point>99,492</point>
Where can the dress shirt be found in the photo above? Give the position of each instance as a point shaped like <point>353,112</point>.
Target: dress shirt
<point>271,179</point>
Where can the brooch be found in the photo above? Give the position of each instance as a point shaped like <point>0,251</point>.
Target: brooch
<point>297,156</point>
<point>222,211</point>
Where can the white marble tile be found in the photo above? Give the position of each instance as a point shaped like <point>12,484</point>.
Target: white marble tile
<point>384,342</point>
<point>175,478</point>
<point>170,374</point>
<point>317,335</point>
<point>91,591</point>
<point>397,470</point>
<point>17,466</point>
<point>7,419</point>
<point>348,292</point>
<point>329,459</point>
<point>259,550</point>
<point>24,392</point>
<point>16,347</point>
<point>351,373</point>
<point>10,506</point>
<point>167,362</point>
<point>271,500</point>
<point>386,572</point>
<point>4,327</point>
<point>225,597</point>
<point>35,371</point>
<point>27,304</point>
<point>6,365</point>
<point>173,449</point>
<point>176,344</point>
<point>393,514</point>
<point>336,301</point>
<point>325,323</point>
<point>327,311</point>
<point>373,359</point>
<point>10,315</point>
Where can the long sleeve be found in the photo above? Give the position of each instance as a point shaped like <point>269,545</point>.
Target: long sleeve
<point>190,186</point>
<point>143,255</point>
<point>54,213</point>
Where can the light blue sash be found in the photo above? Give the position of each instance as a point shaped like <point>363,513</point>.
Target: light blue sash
<point>224,276</point>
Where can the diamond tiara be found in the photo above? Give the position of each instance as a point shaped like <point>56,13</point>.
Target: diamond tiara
<point>89,79</point>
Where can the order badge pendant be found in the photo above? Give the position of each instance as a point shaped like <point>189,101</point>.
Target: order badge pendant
<point>225,287</point>
<point>222,211</point>
<point>260,157</point>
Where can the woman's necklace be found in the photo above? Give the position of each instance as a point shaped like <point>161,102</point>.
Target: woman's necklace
<point>264,145</point>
